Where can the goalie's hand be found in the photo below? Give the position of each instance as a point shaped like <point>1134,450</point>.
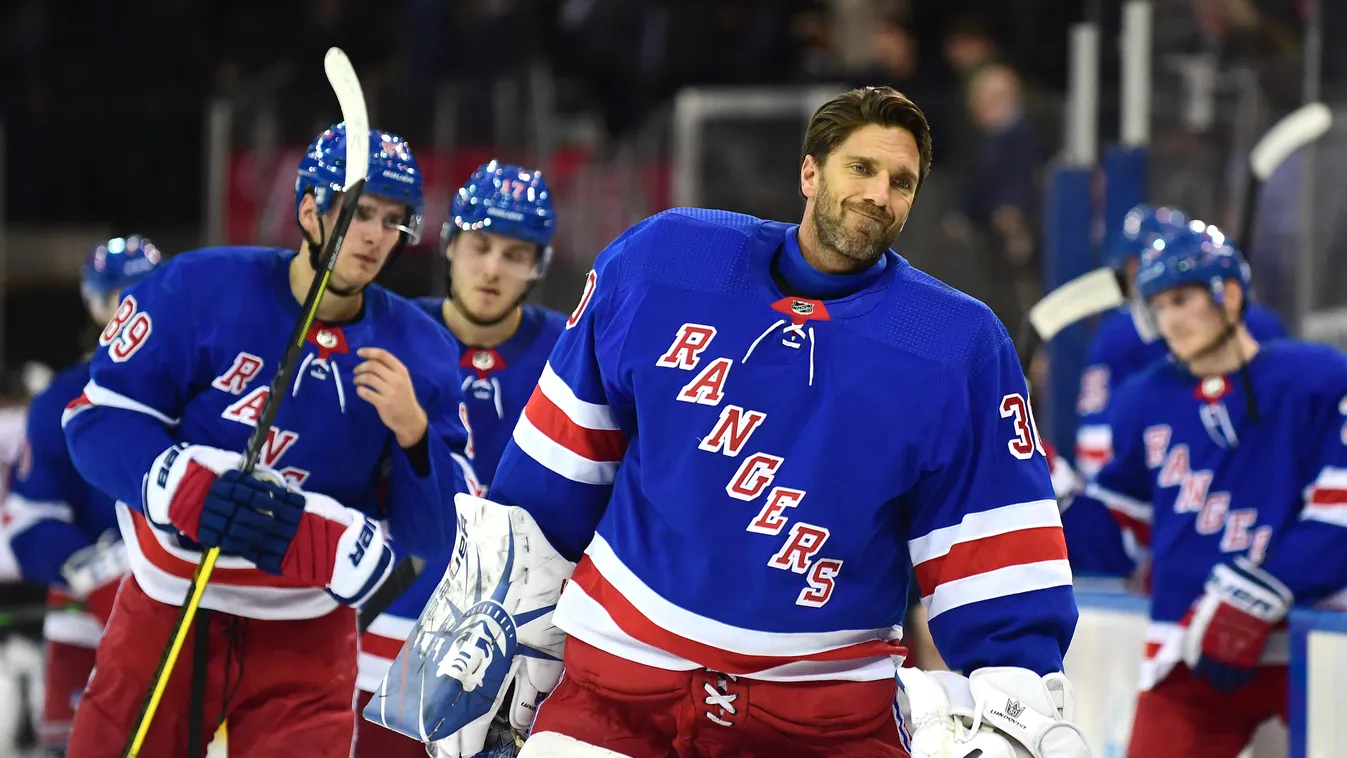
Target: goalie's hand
<point>1001,712</point>
<point>1229,626</point>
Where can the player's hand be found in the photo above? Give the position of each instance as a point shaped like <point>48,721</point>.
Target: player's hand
<point>1228,626</point>
<point>384,383</point>
<point>94,573</point>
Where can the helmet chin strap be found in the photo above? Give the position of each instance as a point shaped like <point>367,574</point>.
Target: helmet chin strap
<point>316,249</point>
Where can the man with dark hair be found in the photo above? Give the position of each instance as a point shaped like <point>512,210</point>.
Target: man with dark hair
<point>745,433</point>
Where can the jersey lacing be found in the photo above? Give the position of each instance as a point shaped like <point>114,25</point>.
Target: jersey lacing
<point>791,330</point>
<point>321,367</point>
<point>720,697</point>
<point>479,389</point>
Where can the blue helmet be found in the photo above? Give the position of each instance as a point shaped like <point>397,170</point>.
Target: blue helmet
<point>117,264</point>
<point>505,199</point>
<point>1201,254</point>
<point>1141,226</point>
<point>393,174</point>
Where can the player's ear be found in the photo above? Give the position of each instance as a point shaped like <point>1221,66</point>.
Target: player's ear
<point>809,176</point>
<point>308,217</point>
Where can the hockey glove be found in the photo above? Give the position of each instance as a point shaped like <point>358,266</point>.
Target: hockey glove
<point>494,609</point>
<point>996,713</point>
<point>306,537</point>
<point>94,573</point>
<point>198,491</point>
<point>1228,627</point>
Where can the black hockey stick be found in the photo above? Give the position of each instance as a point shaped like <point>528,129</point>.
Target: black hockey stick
<point>341,76</point>
<point>403,576</point>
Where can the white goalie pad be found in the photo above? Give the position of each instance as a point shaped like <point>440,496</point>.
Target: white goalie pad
<point>489,624</point>
<point>996,713</point>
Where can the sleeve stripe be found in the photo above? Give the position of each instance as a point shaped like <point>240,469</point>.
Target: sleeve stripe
<point>22,513</point>
<point>976,526</point>
<point>1121,505</point>
<point>552,419</point>
<point>581,413</point>
<point>1328,514</point>
<point>95,395</point>
<point>991,554</point>
<point>560,459</point>
<point>1011,580</point>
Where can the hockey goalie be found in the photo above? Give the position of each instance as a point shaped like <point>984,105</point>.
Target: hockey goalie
<point>746,434</point>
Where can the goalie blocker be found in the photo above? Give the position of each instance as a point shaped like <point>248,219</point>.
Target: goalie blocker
<point>489,627</point>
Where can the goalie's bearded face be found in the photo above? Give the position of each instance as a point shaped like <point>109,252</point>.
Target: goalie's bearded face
<point>1189,321</point>
<point>862,192</point>
<point>490,273</point>
<point>373,235</point>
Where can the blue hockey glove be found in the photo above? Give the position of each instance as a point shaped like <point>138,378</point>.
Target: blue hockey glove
<point>251,517</point>
<point>1229,626</point>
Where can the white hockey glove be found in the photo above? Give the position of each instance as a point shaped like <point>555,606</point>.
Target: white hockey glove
<point>94,573</point>
<point>487,627</point>
<point>996,713</point>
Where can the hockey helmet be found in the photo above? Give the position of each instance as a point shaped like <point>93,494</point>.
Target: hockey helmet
<point>505,199</point>
<point>1200,254</point>
<point>1142,225</point>
<point>115,265</point>
<point>393,174</point>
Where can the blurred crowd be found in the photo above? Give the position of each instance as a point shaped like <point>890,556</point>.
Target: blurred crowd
<point>103,102</point>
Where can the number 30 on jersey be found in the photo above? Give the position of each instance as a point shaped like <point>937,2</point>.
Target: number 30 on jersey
<point>1026,441</point>
<point>127,332</point>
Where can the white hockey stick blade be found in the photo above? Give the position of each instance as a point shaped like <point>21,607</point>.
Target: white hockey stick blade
<point>1079,298</point>
<point>346,85</point>
<point>1302,126</point>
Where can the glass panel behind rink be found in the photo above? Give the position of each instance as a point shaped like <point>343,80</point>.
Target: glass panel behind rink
<point>739,149</point>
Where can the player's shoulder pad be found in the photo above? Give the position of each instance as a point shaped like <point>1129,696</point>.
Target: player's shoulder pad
<point>937,322</point>
<point>213,267</point>
<point>1264,323</point>
<point>47,407</point>
<point>421,341</point>
<point>1312,367</point>
<point>553,323</point>
<point>690,248</point>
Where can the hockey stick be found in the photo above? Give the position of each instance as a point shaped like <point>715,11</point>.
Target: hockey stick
<point>341,76</point>
<point>1100,290</point>
<point>402,577</point>
<point>1295,130</point>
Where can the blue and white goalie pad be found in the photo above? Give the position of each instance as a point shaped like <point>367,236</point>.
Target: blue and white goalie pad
<point>488,625</point>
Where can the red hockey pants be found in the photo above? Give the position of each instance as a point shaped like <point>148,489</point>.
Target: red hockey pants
<point>647,712</point>
<point>1183,715</point>
<point>287,687</point>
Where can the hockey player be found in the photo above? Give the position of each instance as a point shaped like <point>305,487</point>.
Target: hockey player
<point>497,243</point>
<point>64,532</point>
<point>1127,340</point>
<point>176,386</point>
<point>1229,461</point>
<point>745,433</point>
<point>1125,343</point>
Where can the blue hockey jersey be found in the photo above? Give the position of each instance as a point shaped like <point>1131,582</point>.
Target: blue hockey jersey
<point>744,476</point>
<point>53,512</point>
<point>1123,346</point>
<point>1199,481</point>
<point>1120,349</point>
<point>190,356</point>
<point>496,383</point>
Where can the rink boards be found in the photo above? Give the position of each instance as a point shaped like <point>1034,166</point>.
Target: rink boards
<point>1105,659</point>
